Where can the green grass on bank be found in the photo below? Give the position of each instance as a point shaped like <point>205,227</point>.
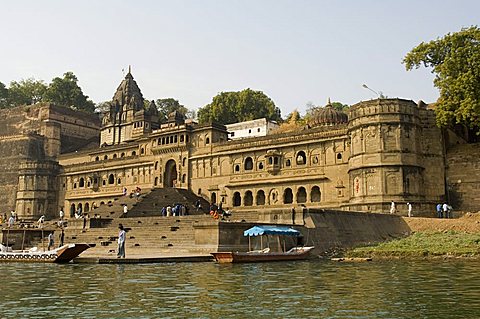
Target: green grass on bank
<point>424,244</point>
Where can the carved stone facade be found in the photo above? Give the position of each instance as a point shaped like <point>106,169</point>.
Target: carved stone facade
<point>31,139</point>
<point>387,149</point>
<point>127,118</point>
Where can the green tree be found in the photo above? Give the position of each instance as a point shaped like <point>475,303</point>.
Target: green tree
<point>3,96</point>
<point>233,107</point>
<point>26,92</point>
<point>169,105</point>
<point>66,92</point>
<point>455,61</point>
<point>340,106</point>
<point>103,107</point>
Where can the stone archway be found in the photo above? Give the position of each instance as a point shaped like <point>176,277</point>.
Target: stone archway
<point>170,174</point>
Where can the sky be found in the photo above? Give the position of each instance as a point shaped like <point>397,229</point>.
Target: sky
<point>296,52</point>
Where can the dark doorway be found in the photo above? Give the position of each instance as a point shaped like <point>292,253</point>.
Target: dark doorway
<point>170,177</point>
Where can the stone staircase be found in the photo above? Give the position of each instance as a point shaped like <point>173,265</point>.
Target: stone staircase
<point>150,203</point>
<point>146,236</point>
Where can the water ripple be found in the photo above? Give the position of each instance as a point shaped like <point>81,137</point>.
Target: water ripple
<point>311,289</point>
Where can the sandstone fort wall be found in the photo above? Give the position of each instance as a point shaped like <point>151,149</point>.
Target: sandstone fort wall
<point>463,176</point>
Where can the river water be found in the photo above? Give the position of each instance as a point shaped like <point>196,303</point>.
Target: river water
<point>304,289</point>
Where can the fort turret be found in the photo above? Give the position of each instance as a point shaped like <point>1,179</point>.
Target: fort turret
<point>394,156</point>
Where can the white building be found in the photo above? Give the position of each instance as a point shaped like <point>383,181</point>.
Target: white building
<point>259,127</point>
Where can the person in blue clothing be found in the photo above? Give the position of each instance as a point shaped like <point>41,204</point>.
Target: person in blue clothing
<point>439,211</point>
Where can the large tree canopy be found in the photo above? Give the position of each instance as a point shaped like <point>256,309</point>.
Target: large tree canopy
<point>61,91</point>
<point>233,107</point>
<point>3,96</point>
<point>169,105</point>
<point>455,60</point>
<point>26,92</point>
<point>66,92</point>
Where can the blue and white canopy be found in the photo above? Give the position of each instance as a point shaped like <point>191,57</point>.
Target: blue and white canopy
<point>271,230</point>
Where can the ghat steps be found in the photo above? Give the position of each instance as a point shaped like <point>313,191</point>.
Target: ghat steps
<point>150,203</point>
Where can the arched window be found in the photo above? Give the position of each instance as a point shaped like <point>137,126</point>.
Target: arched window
<point>260,197</point>
<point>287,163</point>
<point>81,183</point>
<point>72,210</point>
<point>182,138</point>
<point>315,194</point>
<point>237,168</point>
<point>156,181</point>
<point>184,178</point>
<point>80,208</point>
<point>114,155</point>
<point>301,158</point>
<point>122,155</point>
<point>184,162</point>
<point>207,141</point>
<point>260,166</point>
<point>87,207</point>
<point>287,196</point>
<point>339,156</point>
<point>248,199</point>
<point>248,164</point>
<point>111,179</point>
<point>134,153</point>
<point>97,159</point>
<point>237,199</point>
<point>142,151</point>
<point>213,198</point>
<point>156,165</point>
<point>105,157</point>
<point>301,195</point>
<point>270,160</point>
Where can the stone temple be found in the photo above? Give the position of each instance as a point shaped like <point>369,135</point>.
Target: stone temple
<point>381,151</point>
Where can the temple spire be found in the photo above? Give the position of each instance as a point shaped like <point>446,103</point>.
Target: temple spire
<point>129,69</point>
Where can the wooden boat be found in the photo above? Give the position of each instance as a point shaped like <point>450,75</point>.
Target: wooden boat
<point>63,254</point>
<point>264,255</point>
<point>296,253</point>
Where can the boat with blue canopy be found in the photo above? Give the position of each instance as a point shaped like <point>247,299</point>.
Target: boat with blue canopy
<point>275,252</point>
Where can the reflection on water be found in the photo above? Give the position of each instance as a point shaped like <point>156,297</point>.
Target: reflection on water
<point>308,289</point>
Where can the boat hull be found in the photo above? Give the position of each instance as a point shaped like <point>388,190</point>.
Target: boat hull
<point>63,254</point>
<point>250,257</point>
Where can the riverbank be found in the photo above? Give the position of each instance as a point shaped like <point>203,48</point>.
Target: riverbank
<point>430,238</point>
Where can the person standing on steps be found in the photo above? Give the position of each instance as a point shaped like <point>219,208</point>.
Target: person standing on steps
<point>393,209</point>
<point>61,238</point>
<point>40,221</point>
<point>293,215</point>
<point>50,241</point>
<point>121,242</point>
<point>409,209</point>
<point>125,210</point>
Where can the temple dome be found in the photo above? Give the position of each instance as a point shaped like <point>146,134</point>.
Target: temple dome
<point>327,115</point>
